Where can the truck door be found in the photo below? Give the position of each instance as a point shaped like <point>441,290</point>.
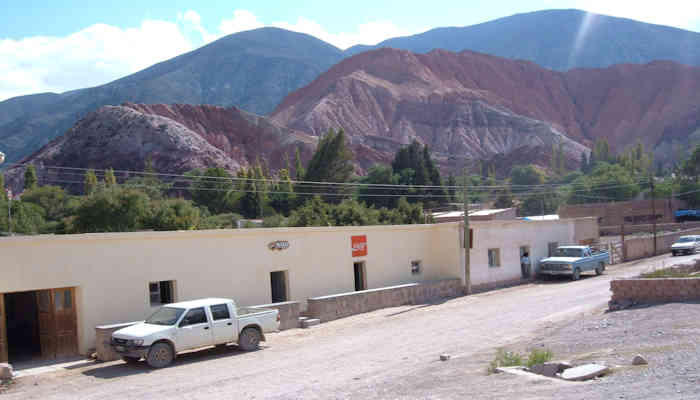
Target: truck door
<point>194,331</point>
<point>223,324</point>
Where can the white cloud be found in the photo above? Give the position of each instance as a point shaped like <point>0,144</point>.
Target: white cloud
<point>368,33</point>
<point>102,53</point>
<point>684,14</point>
<point>92,56</point>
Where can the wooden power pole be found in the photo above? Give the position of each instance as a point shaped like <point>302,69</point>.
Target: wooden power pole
<point>653,211</point>
<point>467,241</point>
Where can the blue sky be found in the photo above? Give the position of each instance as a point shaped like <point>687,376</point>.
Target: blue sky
<point>74,43</point>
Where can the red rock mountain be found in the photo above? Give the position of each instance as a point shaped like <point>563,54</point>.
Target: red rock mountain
<point>176,138</point>
<point>477,106</point>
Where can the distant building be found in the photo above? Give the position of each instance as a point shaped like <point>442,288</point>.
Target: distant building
<point>480,215</point>
<point>633,212</point>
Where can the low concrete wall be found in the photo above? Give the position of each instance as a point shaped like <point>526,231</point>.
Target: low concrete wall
<point>654,290</point>
<point>289,313</point>
<point>615,230</point>
<point>328,308</point>
<point>484,287</point>
<point>103,336</point>
<point>643,247</point>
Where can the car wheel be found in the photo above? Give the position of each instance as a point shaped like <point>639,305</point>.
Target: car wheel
<point>249,339</point>
<point>160,355</point>
<point>600,269</point>
<point>130,360</point>
<point>576,275</point>
<point>673,254</point>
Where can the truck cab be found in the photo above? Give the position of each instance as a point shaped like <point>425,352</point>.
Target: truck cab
<point>574,260</point>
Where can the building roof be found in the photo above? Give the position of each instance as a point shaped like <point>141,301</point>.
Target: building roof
<point>479,213</point>
<point>551,217</point>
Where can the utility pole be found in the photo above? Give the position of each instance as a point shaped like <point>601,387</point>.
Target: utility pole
<point>653,210</point>
<point>467,241</point>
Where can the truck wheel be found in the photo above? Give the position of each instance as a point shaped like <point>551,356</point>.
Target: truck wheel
<point>600,269</point>
<point>160,355</point>
<point>249,339</point>
<point>130,360</point>
<point>576,275</point>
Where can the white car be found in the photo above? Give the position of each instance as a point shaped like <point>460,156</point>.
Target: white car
<point>686,245</point>
<point>193,324</point>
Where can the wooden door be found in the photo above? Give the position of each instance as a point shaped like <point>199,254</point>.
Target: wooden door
<point>66,322</point>
<point>47,326</point>
<point>3,330</point>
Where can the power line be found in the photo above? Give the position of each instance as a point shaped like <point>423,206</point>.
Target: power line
<point>315,183</point>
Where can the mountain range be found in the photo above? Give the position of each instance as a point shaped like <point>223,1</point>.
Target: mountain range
<point>464,104</point>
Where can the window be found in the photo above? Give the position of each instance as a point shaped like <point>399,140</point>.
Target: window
<point>494,257</point>
<point>278,284</point>
<point>551,248</point>
<point>195,316</point>
<point>161,292</point>
<point>220,311</point>
<point>415,267</point>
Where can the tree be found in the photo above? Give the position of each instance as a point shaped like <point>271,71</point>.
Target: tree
<point>607,182</point>
<point>30,179</point>
<point>379,196</point>
<point>212,189</point>
<point>313,213</point>
<point>283,198</point>
<point>584,162</point>
<point>298,166</point>
<point>110,179</point>
<point>52,199</point>
<point>90,182</point>
<point>332,162</point>
<point>175,214</point>
<point>525,175</point>
<point>114,210</point>
<point>451,191</point>
<point>504,199</point>
<point>27,218</point>
<point>248,205</point>
<point>3,194</point>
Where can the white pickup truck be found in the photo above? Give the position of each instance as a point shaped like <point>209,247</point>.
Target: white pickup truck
<point>193,324</point>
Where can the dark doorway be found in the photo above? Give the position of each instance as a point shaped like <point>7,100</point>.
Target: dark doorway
<point>278,282</point>
<point>360,276</point>
<point>22,326</point>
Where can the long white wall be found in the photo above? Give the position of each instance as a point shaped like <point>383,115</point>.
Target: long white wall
<point>112,271</point>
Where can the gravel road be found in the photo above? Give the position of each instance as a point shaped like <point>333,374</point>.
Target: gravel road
<point>390,353</point>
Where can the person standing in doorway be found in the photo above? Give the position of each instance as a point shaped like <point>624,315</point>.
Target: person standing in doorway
<point>525,265</point>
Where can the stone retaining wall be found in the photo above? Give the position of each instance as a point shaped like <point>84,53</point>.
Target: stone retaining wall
<point>289,313</point>
<point>104,337</point>
<point>629,291</point>
<point>485,287</point>
<point>328,308</point>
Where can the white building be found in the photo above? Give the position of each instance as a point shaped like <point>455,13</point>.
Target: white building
<point>55,289</point>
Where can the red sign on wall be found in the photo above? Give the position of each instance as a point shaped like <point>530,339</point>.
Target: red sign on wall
<point>359,245</point>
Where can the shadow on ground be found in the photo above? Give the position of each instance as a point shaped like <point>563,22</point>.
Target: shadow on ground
<point>122,369</point>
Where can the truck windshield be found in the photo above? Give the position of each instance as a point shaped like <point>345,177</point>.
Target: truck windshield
<point>567,252</point>
<point>165,316</point>
<point>686,239</point>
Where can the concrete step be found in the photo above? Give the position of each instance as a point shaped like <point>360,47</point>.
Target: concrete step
<point>309,322</point>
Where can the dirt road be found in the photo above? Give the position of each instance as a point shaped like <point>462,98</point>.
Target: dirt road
<point>391,353</point>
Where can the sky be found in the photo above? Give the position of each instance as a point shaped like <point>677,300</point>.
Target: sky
<point>74,44</point>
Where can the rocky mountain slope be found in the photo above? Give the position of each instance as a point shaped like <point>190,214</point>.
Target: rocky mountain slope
<point>175,138</point>
<point>560,40</point>
<point>253,70</point>
<point>474,105</point>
